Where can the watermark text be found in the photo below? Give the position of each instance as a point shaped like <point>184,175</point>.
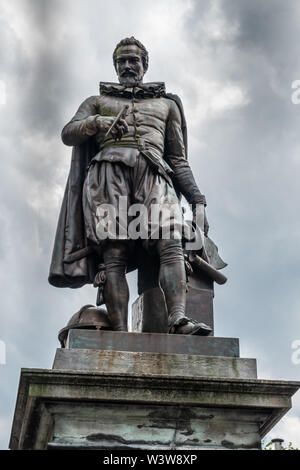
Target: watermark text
<point>2,93</point>
<point>296,354</point>
<point>2,353</point>
<point>157,221</point>
<point>295,97</point>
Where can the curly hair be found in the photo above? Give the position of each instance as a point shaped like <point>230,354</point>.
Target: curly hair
<point>133,42</point>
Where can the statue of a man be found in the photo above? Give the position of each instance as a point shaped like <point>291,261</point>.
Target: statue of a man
<point>142,159</point>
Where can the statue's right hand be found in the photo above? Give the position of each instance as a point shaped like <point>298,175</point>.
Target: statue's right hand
<point>104,123</point>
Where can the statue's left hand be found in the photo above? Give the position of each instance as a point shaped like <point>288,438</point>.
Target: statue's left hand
<point>206,224</point>
<point>200,218</point>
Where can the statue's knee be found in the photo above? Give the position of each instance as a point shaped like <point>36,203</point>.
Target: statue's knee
<point>170,251</point>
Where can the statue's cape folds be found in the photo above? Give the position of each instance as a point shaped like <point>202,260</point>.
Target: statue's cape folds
<point>70,234</point>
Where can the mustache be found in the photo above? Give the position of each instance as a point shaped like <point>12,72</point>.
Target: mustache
<point>128,72</point>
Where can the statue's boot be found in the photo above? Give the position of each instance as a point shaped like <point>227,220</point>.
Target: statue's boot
<point>191,327</point>
<point>172,280</point>
<point>116,292</point>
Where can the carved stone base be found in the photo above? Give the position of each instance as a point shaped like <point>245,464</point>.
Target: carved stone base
<point>144,395</point>
<point>93,410</point>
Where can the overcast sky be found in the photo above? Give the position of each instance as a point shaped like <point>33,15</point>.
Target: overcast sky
<point>232,62</point>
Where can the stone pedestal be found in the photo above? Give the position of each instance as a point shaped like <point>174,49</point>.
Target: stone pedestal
<point>152,342</point>
<point>83,409</point>
<point>101,398</point>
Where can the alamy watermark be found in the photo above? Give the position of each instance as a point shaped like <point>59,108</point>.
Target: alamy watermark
<point>2,93</point>
<point>2,353</point>
<point>295,97</point>
<point>296,354</point>
<point>156,221</point>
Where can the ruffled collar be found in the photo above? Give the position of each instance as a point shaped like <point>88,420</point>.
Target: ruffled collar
<point>145,90</point>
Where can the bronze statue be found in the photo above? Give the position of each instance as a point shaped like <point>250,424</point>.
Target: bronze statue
<point>128,142</point>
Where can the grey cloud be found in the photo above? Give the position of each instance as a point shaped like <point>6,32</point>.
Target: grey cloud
<point>251,177</point>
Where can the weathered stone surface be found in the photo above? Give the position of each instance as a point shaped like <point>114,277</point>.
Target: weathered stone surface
<point>153,427</point>
<point>153,342</point>
<point>183,365</point>
<point>72,409</point>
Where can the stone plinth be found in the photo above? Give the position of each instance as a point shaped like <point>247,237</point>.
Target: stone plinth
<point>154,364</point>
<point>153,342</point>
<point>95,410</point>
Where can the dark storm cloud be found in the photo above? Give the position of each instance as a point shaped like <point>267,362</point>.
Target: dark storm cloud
<point>31,76</point>
<point>11,51</point>
<point>250,170</point>
<point>251,149</point>
<point>249,164</point>
<point>42,69</point>
<point>44,87</point>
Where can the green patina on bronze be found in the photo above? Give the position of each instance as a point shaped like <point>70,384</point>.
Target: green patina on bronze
<point>106,112</point>
<point>128,49</point>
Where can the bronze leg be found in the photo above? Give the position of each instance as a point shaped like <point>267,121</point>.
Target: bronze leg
<point>116,292</point>
<point>172,279</point>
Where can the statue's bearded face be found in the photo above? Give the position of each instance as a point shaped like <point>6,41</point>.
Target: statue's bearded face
<point>129,65</point>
